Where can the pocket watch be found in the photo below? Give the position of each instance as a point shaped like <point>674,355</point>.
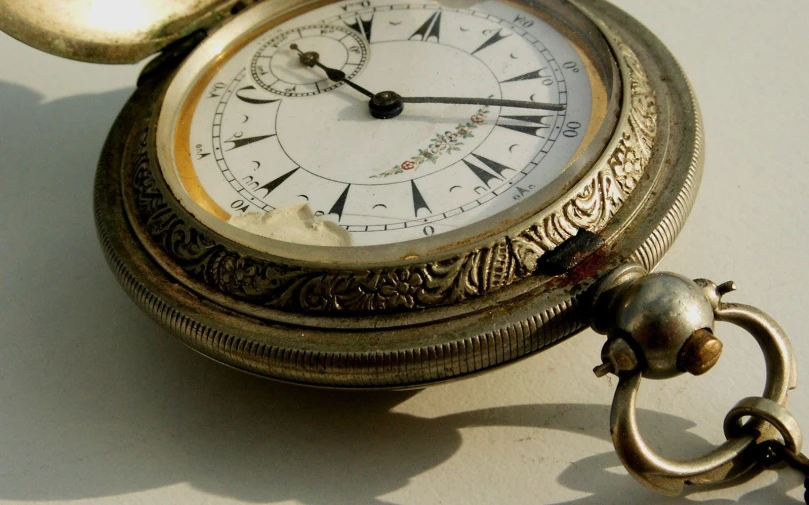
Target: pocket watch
<point>395,193</point>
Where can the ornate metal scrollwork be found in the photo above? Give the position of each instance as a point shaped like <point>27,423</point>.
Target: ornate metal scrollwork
<point>276,285</point>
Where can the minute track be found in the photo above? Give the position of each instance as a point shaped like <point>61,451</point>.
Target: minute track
<point>472,193</point>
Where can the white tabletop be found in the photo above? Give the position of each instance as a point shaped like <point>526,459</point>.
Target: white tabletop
<point>97,404</point>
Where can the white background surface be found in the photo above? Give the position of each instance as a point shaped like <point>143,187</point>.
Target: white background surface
<point>97,405</point>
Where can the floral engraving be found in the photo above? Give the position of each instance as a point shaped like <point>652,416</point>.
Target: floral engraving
<point>443,143</point>
<point>206,259</point>
<point>596,200</point>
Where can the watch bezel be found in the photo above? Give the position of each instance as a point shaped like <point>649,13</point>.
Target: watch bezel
<point>139,225</point>
<point>240,30</point>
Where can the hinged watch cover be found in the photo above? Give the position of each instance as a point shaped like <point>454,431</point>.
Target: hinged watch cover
<point>109,31</point>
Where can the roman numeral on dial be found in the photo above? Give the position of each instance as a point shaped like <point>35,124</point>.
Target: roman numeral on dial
<point>430,29</point>
<point>362,26</point>
<point>497,37</point>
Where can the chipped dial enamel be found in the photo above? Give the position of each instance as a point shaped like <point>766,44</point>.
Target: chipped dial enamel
<point>269,132</point>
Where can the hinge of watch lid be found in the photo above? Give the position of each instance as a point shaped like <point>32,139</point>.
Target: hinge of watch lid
<point>239,6</point>
<point>175,52</point>
<point>172,54</point>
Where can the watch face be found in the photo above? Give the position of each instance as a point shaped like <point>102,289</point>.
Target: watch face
<point>280,119</point>
<point>371,192</point>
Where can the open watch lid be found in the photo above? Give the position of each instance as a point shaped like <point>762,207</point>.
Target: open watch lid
<point>108,31</point>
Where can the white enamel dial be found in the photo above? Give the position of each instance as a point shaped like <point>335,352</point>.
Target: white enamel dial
<point>269,132</point>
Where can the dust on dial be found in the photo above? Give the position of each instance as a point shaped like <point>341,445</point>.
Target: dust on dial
<point>254,146</point>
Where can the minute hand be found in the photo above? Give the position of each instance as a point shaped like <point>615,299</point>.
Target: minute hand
<point>493,102</point>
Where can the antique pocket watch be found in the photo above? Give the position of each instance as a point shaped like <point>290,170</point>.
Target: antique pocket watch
<point>393,193</point>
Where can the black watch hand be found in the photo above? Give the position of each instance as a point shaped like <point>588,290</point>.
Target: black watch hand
<point>388,104</point>
<point>312,59</point>
<point>494,102</point>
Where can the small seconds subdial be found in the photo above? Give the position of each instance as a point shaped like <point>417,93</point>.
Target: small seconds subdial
<point>275,66</point>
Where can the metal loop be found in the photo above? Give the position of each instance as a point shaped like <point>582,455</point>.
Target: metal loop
<point>773,452</point>
<point>769,411</point>
<point>737,455</point>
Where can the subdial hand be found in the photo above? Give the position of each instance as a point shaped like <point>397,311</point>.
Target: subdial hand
<point>312,59</point>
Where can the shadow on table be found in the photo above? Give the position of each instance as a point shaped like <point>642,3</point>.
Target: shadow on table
<point>95,401</point>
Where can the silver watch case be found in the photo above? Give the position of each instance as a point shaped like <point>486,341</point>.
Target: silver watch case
<point>339,318</point>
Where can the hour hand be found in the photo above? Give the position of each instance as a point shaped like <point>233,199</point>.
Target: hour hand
<point>312,59</point>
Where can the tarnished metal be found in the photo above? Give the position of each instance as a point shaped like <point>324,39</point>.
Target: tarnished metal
<point>618,357</point>
<point>495,322</point>
<point>570,253</point>
<point>662,316</point>
<point>475,298</point>
<point>700,353</point>
<point>764,409</point>
<point>110,31</point>
<point>500,250</point>
<point>738,455</point>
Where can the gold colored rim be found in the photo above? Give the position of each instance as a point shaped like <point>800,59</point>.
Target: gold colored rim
<point>182,153</point>
<point>182,138</point>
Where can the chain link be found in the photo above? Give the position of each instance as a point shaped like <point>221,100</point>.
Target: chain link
<point>773,452</point>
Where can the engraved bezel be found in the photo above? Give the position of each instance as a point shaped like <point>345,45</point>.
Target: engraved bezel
<point>471,303</point>
<point>567,187</point>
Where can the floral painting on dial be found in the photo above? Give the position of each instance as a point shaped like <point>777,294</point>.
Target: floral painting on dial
<point>443,143</point>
